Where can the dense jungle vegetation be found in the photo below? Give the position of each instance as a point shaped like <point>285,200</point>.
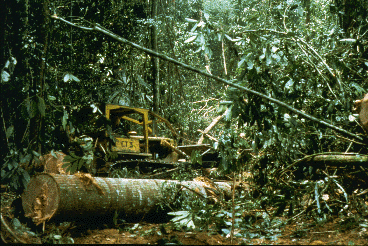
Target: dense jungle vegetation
<point>309,54</point>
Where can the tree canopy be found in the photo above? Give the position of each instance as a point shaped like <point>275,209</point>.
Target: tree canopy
<point>309,54</point>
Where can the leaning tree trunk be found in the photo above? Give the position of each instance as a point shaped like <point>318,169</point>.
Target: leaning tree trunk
<point>81,196</point>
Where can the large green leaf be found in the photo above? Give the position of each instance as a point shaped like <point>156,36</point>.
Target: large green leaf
<point>64,119</point>
<point>9,131</point>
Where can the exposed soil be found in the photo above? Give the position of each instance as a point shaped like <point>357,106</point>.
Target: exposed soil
<point>335,232</point>
<point>329,233</point>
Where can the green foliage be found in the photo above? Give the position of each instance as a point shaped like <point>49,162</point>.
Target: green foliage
<point>16,169</point>
<point>183,219</point>
<point>311,55</point>
<point>74,162</point>
<point>124,173</point>
<point>196,157</point>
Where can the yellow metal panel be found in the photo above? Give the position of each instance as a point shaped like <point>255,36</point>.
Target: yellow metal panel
<point>145,130</point>
<point>137,122</point>
<point>126,145</point>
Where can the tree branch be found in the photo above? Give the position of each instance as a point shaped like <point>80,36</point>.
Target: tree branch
<point>99,28</point>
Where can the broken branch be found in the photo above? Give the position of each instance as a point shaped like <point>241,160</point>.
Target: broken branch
<point>208,128</point>
<point>167,144</point>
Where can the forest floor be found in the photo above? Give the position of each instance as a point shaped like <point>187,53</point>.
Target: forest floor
<point>328,234</point>
<point>334,232</point>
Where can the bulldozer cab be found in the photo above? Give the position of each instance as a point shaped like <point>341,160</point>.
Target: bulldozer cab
<point>133,132</point>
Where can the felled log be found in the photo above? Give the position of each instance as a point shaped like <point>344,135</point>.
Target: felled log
<point>68,197</point>
<point>336,159</point>
<point>208,135</point>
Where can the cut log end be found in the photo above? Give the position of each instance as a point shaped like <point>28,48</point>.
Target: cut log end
<point>41,199</point>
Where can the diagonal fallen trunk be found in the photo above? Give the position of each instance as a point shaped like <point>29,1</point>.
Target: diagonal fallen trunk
<point>208,128</point>
<point>82,196</point>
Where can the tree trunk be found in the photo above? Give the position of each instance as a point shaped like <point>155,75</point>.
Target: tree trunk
<point>81,196</point>
<point>155,63</point>
<point>36,93</point>
<point>336,159</point>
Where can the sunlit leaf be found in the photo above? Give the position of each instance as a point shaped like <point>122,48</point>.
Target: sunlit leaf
<point>194,27</point>
<point>35,153</point>
<point>241,62</point>
<point>250,65</point>
<point>228,37</point>
<point>70,77</point>
<point>16,224</point>
<point>5,76</point>
<point>51,98</point>
<point>276,57</point>
<point>190,20</point>
<point>201,23</point>
<point>268,60</point>
<point>228,113</point>
<point>198,50</point>
<point>57,237</point>
<point>208,52</point>
<point>66,78</point>
<point>191,225</point>
<point>289,84</point>
<point>190,39</point>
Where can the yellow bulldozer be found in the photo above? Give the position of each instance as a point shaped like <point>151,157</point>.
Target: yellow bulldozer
<point>133,137</point>
<point>137,137</point>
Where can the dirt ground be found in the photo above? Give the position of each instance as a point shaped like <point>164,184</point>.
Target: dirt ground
<point>329,234</point>
<point>299,232</point>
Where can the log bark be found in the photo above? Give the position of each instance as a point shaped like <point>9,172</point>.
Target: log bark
<point>337,159</point>
<point>69,197</point>
<point>331,159</point>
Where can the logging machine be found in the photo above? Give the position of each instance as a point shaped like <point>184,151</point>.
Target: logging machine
<point>135,142</point>
<point>136,137</point>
